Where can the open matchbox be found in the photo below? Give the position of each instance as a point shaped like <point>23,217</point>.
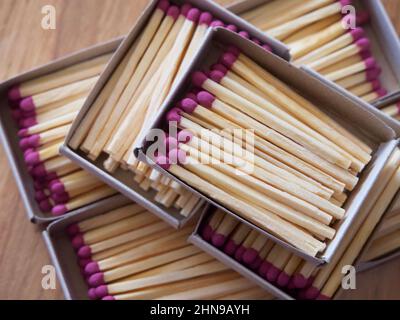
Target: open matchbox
<point>121,180</point>
<point>385,44</point>
<point>9,130</point>
<point>358,117</point>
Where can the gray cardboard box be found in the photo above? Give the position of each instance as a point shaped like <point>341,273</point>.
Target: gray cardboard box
<point>385,44</point>
<point>358,116</point>
<point>9,130</point>
<point>120,180</point>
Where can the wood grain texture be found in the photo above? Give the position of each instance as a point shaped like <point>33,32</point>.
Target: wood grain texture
<point>24,45</point>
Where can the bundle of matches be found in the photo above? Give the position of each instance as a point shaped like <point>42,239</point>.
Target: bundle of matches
<point>392,110</point>
<point>128,253</point>
<point>140,84</point>
<point>44,109</point>
<point>293,274</point>
<point>303,162</point>
<point>319,37</point>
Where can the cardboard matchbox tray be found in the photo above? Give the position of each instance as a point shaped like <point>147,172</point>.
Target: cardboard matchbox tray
<point>9,129</point>
<point>385,44</point>
<point>358,116</point>
<point>121,179</point>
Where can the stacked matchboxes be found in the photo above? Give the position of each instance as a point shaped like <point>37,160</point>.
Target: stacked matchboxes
<point>282,231</point>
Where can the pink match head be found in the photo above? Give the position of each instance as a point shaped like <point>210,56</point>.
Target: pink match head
<point>45,205</point>
<point>77,241</point>
<point>198,78</point>
<point>14,93</point>
<point>266,48</point>
<point>92,294</point>
<point>32,158</point>
<point>23,133</point>
<point>92,268</point>
<point>34,140</point>
<point>230,247</point>
<point>206,99</point>
<point>370,63</point>
<point>40,195</point>
<point>83,263</point>
<point>171,142</point>
<point>101,291</point>
<point>205,18</point>
<point>207,233</point>
<point>177,156</point>
<point>220,67</point>
<point>228,59</point>
<point>256,41</point>
<point>39,185</point>
<point>163,162</point>
<point>357,33</point>
<point>185,9</point>
<point>27,122</point>
<point>27,104</point>
<point>376,85</point>
<point>232,27</point>
<point>173,12</point>
<point>365,54</point>
<point>381,92</point>
<point>217,23</point>
<point>363,44</point>
<point>193,15</point>
<point>96,279</point>
<point>216,76</point>
<point>372,74</point>
<point>174,115</point>
<point>51,176</point>
<point>249,256</point>
<point>59,210</point>
<point>188,105</point>
<point>39,171</point>
<point>85,252</point>
<point>24,143</point>
<point>344,2</point>
<point>163,5</point>
<point>299,281</point>
<point>72,229</point>
<point>283,279</point>
<point>263,269</point>
<point>244,34</point>
<point>60,198</point>
<point>272,273</point>
<point>239,253</point>
<point>362,18</point>
<point>234,50</point>
<point>108,298</point>
<point>256,263</point>
<point>58,188</point>
<point>323,297</point>
<point>311,293</point>
<point>16,114</point>
<point>191,95</point>
<point>185,136</point>
<point>218,240</point>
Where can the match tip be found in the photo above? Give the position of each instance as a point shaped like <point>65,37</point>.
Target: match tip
<point>163,162</point>
<point>102,291</point>
<point>27,104</point>
<point>185,9</point>
<point>24,143</point>
<point>239,253</point>
<point>311,293</point>
<point>357,33</point>
<point>16,114</point>
<point>263,269</point>
<point>14,93</point>
<point>163,5</point>
<point>27,122</point>
<point>205,18</point>
<point>217,23</point>
<point>232,27</point>
<point>92,268</point>
<point>59,210</point>
<point>381,92</point>
<point>173,12</point>
<point>61,198</point>
<point>198,78</point>
<point>218,240</point>
<point>32,158</point>
<point>108,298</point>
<point>174,115</point>
<point>365,54</point>
<point>299,281</point>
<point>373,74</point>
<point>92,294</point>
<point>250,255</point>
<point>376,84</point>
<point>272,273</point>
<point>77,241</point>
<point>206,99</point>
<point>244,34</point>
<point>344,2</point>
<point>85,252</point>
<point>72,229</point>
<point>34,140</point>
<point>193,15</point>
<point>58,188</point>
<point>188,105</point>
<point>256,263</point>
<point>234,50</point>
<point>370,63</point>
<point>177,156</point>
<point>207,233</point>
<point>40,195</point>
<point>216,76</point>
<point>228,59</point>
<point>362,18</point>
<point>39,171</point>
<point>256,41</point>
<point>220,67</point>
<point>185,136</point>
<point>283,279</point>
<point>266,47</point>
<point>323,297</point>
<point>45,205</point>
<point>96,279</point>
<point>23,133</point>
<point>84,262</point>
<point>230,247</point>
<point>363,44</point>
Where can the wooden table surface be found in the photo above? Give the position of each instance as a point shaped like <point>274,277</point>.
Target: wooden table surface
<point>24,45</point>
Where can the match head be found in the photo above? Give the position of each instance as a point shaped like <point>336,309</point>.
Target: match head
<point>198,78</point>
<point>217,23</point>
<point>207,233</point>
<point>102,291</point>
<point>234,50</point>
<point>174,115</point>
<point>60,198</point>
<point>344,3</point>
<point>23,133</point>
<point>59,210</point>
<point>256,41</point>
<point>362,18</point>
<point>244,34</point>
<point>365,54</point>
<point>370,63</point>
<point>77,241</point>
<point>239,253</point>
<point>357,33</point>
<point>206,99</point>
<point>72,229</point>
<point>256,263</point>
<point>85,252</point>
<point>92,294</point>
<point>220,67</point>
<point>263,269</point>
<point>108,298</point>
<point>193,15</point>
<point>92,268</point>
<point>32,158</point>
<point>163,5</point>
<point>228,59</point>
<point>266,48</point>
<point>40,195</point>
<point>27,104</point>
<point>27,122</point>
<point>381,92</point>
<point>323,297</point>
<point>272,273</point>
<point>372,74</point>
<point>84,262</point>
<point>216,76</point>
<point>39,171</point>
<point>218,240</point>
<point>205,18</point>
<point>191,95</point>
<point>58,188</point>
<point>376,85</point>
<point>34,140</point>
<point>363,44</point>
<point>177,156</point>
<point>185,136</point>
<point>188,105</point>
<point>96,279</point>
<point>232,27</point>
<point>299,281</point>
<point>283,279</point>
<point>163,162</point>
<point>45,205</point>
<point>24,144</point>
<point>230,247</point>
<point>173,12</point>
<point>185,9</point>
<point>249,256</point>
<point>14,93</point>
<point>311,293</point>
<point>17,114</point>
